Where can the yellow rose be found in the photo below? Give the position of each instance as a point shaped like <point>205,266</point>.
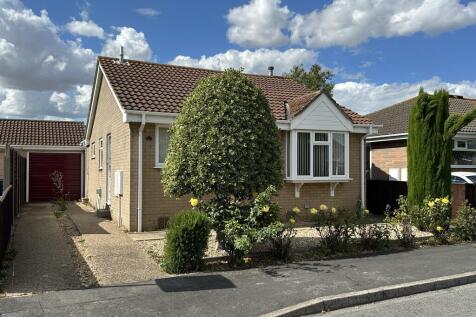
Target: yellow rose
<point>333,210</point>
<point>439,229</point>
<point>431,204</point>
<point>323,207</point>
<point>292,221</point>
<point>366,212</point>
<point>194,202</point>
<point>437,200</point>
<point>314,211</point>
<point>445,200</point>
<point>265,208</point>
<point>296,210</point>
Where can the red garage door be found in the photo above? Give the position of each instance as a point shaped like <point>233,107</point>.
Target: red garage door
<point>43,164</point>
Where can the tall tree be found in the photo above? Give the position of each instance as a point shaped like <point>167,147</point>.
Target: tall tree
<point>430,145</point>
<point>315,79</point>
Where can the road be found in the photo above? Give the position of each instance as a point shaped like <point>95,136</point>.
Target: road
<point>457,301</point>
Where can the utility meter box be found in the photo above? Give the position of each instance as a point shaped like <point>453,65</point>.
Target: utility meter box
<point>118,183</point>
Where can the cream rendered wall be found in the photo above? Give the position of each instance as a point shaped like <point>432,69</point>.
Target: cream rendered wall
<point>108,120</point>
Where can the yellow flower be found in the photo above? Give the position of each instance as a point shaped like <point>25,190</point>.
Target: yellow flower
<point>323,207</point>
<point>431,204</point>
<point>292,221</point>
<point>333,210</point>
<point>265,208</point>
<point>314,211</point>
<point>366,212</point>
<point>445,200</point>
<point>439,229</point>
<point>194,202</point>
<point>296,210</point>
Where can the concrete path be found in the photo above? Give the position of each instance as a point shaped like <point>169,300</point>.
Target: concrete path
<point>112,256</point>
<point>249,292</point>
<point>43,261</point>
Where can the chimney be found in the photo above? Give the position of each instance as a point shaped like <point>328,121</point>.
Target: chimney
<point>121,56</point>
<point>270,70</point>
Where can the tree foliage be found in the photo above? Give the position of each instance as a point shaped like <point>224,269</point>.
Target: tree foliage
<point>430,144</point>
<point>225,141</point>
<point>314,79</point>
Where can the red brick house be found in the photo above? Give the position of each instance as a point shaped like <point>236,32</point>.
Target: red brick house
<point>387,150</point>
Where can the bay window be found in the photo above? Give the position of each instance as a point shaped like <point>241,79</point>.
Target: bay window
<point>318,155</point>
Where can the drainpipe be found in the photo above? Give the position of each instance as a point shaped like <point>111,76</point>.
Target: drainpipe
<point>362,172</point>
<point>139,176</point>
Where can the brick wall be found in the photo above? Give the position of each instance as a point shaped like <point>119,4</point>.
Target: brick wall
<point>156,204</point>
<point>386,155</point>
<point>108,120</point>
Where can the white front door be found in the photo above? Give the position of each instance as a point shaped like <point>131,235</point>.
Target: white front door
<point>108,169</point>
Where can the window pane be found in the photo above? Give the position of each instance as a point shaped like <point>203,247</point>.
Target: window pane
<point>461,144</point>
<point>338,154</point>
<point>321,160</point>
<point>303,148</point>
<point>164,139</point>
<point>464,158</point>
<point>322,137</point>
<point>288,153</point>
<point>471,144</point>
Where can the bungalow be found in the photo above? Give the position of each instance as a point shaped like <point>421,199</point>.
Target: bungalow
<point>388,148</point>
<point>133,104</point>
<point>48,146</point>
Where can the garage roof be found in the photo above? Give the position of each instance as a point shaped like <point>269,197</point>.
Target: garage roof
<point>41,132</point>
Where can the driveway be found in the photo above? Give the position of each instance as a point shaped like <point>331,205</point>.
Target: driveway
<point>43,260</point>
<point>248,292</point>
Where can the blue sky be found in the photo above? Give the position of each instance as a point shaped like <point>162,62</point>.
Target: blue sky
<point>381,52</point>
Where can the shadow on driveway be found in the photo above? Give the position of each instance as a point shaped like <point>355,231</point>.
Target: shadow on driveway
<point>194,283</point>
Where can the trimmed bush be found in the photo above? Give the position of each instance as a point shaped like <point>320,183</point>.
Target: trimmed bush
<point>186,241</point>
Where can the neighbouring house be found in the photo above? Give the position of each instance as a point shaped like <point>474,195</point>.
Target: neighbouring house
<point>133,104</point>
<point>48,146</point>
<point>388,148</point>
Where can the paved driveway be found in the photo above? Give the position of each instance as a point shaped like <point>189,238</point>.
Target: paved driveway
<point>43,261</point>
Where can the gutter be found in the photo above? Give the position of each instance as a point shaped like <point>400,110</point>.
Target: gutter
<point>139,174</point>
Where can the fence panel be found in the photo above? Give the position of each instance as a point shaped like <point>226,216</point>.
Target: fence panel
<point>382,193</point>
<point>6,219</point>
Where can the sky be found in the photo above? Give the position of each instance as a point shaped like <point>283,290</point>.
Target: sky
<point>380,51</point>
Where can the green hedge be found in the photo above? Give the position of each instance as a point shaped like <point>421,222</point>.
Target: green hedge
<point>186,241</point>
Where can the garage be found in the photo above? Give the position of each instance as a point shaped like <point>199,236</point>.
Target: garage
<point>41,165</point>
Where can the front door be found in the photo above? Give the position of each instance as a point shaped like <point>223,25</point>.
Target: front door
<point>108,169</point>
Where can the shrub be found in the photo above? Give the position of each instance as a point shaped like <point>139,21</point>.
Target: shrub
<point>186,241</point>
<point>58,188</point>
<point>464,226</point>
<point>401,223</point>
<point>282,235</point>
<point>335,228</point>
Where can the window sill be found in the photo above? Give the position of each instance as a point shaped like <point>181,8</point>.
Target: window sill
<point>159,166</point>
<point>463,166</point>
<point>322,180</point>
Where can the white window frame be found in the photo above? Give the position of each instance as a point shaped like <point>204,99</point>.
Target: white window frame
<point>294,154</point>
<point>93,150</point>
<point>462,149</point>
<point>100,153</point>
<point>157,129</point>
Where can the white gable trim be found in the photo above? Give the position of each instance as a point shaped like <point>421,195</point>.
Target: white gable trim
<point>100,75</point>
<point>336,121</point>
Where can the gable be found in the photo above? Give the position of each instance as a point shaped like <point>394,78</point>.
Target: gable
<point>322,114</point>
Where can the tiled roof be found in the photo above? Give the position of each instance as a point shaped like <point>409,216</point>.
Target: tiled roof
<point>297,105</point>
<point>395,118</point>
<point>156,87</point>
<point>40,132</point>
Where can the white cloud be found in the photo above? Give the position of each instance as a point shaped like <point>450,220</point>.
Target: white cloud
<point>31,42</point>
<point>134,43</point>
<point>252,61</point>
<point>369,97</point>
<point>85,28</point>
<point>148,12</point>
<point>351,22</point>
<point>59,98</point>
<point>258,24</point>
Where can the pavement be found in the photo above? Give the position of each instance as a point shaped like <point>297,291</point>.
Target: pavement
<point>249,292</point>
<point>458,301</point>
<point>112,256</point>
<point>43,261</point>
